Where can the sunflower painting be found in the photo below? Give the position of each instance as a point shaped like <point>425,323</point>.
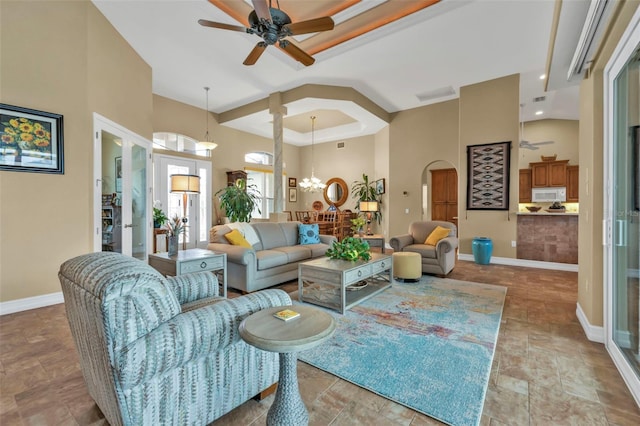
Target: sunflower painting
<point>30,140</point>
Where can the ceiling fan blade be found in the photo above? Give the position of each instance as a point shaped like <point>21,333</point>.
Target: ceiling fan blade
<point>310,26</point>
<point>262,9</point>
<point>296,53</point>
<point>222,26</point>
<point>254,55</point>
<point>543,143</point>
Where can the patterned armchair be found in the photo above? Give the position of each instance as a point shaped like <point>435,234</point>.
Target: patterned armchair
<point>439,259</point>
<point>145,359</point>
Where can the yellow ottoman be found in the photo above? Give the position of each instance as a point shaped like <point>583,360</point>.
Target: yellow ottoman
<point>407,265</point>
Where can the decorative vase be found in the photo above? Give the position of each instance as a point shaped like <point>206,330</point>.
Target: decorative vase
<point>156,224</point>
<point>173,245</point>
<point>482,248</point>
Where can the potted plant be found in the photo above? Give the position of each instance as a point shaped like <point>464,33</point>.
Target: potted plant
<point>159,218</point>
<point>238,200</point>
<point>366,191</point>
<point>350,248</point>
<point>357,225</point>
<point>176,226</point>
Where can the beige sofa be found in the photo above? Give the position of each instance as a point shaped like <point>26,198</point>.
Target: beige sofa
<point>273,258</point>
<point>439,259</point>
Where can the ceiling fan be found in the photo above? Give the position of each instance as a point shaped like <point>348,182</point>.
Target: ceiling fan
<point>273,26</point>
<point>526,144</point>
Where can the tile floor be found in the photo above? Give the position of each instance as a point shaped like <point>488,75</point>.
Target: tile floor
<point>544,372</point>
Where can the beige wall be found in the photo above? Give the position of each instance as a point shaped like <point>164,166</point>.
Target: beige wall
<point>564,134</point>
<point>61,64</point>
<point>177,117</point>
<point>489,112</point>
<point>417,138</point>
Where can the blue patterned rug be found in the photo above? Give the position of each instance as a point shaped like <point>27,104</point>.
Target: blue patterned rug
<point>427,345</point>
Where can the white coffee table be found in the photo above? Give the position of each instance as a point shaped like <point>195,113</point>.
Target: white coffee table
<point>268,333</point>
<point>336,284</point>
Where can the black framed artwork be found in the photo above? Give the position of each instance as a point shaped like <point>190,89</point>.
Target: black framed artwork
<point>292,182</point>
<point>380,186</point>
<point>30,140</point>
<point>293,195</point>
<point>488,168</point>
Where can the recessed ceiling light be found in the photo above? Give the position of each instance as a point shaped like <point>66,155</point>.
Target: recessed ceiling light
<point>543,76</point>
<point>539,112</point>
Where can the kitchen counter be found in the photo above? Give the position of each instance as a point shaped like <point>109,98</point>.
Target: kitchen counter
<point>545,213</point>
<point>548,237</point>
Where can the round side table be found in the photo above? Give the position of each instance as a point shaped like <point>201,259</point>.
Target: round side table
<point>268,333</point>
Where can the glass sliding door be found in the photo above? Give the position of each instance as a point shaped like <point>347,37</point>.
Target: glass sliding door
<point>622,306</point>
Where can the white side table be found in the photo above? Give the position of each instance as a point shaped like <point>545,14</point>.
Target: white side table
<point>192,260</point>
<point>268,333</point>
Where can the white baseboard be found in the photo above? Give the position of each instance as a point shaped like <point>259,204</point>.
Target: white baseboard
<point>20,305</point>
<point>524,262</point>
<point>593,332</point>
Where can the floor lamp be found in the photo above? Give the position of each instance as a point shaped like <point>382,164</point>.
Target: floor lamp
<point>368,207</point>
<point>187,184</point>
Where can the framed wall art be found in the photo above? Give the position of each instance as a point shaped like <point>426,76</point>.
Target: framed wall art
<point>488,168</point>
<point>30,140</point>
<point>293,182</point>
<point>293,195</point>
<point>380,187</point>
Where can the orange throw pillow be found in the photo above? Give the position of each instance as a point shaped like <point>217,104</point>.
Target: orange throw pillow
<point>437,234</point>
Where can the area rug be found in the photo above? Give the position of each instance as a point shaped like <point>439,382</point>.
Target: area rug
<point>427,345</point>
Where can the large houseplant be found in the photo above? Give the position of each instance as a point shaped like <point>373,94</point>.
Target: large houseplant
<point>238,200</point>
<point>366,191</point>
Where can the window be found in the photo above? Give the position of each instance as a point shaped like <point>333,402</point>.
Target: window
<point>259,158</point>
<point>263,180</point>
<point>178,143</point>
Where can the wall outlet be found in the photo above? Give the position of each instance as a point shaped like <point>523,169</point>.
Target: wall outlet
<point>513,243</point>
<point>406,211</point>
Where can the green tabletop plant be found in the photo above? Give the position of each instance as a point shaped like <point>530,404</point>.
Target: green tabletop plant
<point>357,225</point>
<point>350,248</point>
<point>159,218</point>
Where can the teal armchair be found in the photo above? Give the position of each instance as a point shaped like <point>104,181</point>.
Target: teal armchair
<point>156,350</point>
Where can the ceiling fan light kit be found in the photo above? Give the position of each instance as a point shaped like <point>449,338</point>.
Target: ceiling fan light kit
<point>273,25</point>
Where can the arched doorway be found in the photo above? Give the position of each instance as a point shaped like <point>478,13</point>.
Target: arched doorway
<point>440,192</point>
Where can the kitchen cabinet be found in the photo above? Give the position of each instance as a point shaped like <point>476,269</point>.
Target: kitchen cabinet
<point>548,174</point>
<point>524,186</point>
<point>573,185</point>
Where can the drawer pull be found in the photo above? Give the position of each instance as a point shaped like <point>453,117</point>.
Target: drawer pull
<point>382,264</point>
<point>203,265</point>
<point>359,273</point>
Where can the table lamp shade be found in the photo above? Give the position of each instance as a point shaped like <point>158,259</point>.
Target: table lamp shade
<point>185,183</point>
<point>368,206</point>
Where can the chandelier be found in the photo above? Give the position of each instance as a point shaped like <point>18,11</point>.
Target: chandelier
<point>206,143</point>
<point>312,184</point>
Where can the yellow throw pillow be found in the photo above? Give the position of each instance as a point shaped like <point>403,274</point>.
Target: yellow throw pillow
<point>237,239</point>
<point>437,234</point>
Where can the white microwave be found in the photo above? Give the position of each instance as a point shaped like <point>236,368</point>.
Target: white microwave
<point>541,195</point>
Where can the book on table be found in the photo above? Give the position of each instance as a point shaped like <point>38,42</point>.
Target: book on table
<point>286,315</point>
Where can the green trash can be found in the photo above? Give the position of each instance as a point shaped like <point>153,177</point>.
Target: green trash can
<point>482,248</point>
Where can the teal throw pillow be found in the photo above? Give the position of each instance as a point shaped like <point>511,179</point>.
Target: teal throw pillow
<point>309,233</point>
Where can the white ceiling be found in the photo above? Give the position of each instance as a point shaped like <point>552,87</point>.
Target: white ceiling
<point>448,45</point>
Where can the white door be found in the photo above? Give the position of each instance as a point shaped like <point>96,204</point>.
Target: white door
<point>122,202</point>
<point>198,207</point>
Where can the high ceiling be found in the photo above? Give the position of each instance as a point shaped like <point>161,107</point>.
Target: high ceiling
<point>398,57</point>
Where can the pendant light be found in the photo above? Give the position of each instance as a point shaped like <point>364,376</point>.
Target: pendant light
<point>312,184</point>
<point>206,143</point>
